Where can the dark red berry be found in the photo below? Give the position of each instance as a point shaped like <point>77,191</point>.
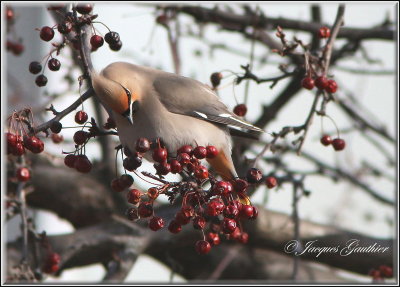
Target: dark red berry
<point>253,175</point>
<point>202,247</point>
<point>324,32</point>
<point>132,163</point>
<point>222,188</point>
<point>201,172</point>
<point>116,185</point>
<point>215,207</point>
<point>308,83</point>
<point>213,238</point>
<point>246,211</point>
<point>231,211</point>
<point>133,196</point>
<point>132,214</point>
<point>110,124</point>
<point>255,213</point>
<point>18,149</point>
<point>240,185</point>
<point>228,225</point>
<point>65,27</point>
<point>142,145</point>
<point>96,41</point>
<point>331,87</point>
<point>33,144</point>
<point>271,182</point>
<point>182,217</point>
<point>162,168</point>
<point>69,160</point>
<point>145,209</point>
<point>81,117</point>
<point>240,110</point>
<point>111,37</point>
<point>18,48</point>
<point>321,82</point>
<point>199,222</point>
<point>338,144</point>
<point>56,127</point>
<point>80,137</point>
<point>46,33</point>
<point>243,238</point>
<point>116,46</point>
<point>156,223</point>
<point>200,152</point>
<point>326,140</point>
<point>10,14</point>
<point>84,8</point>
<point>176,167</point>
<point>160,154</point>
<point>54,258</point>
<point>41,80</point>
<point>83,164</point>
<point>54,64</point>
<point>174,227</point>
<point>35,67</point>
<point>11,139</point>
<point>212,151</point>
<point>183,158</point>
<point>152,193</point>
<point>386,271</point>
<point>215,79</point>
<point>23,174</point>
<point>188,149</point>
<point>126,180</point>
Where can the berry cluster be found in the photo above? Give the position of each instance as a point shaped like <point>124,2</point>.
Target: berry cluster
<point>51,263</point>
<point>382,272</point>
<point>321,82</point>
<point>47,33</point>
<point>337,143</point>
<point>216,211</point>
<point>15,46</point>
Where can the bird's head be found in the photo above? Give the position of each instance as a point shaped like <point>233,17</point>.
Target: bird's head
<point>115,95</point>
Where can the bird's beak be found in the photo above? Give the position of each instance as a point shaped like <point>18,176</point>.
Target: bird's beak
<point>128,115</point>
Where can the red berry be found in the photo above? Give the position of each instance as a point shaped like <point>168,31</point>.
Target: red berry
<point>18,149</point>
<point>176,167</point>
<point>188,149</point>
<point>212,151</point>
<point>215,207</point>
<point>145,209</point>
<point>54,64</point>
<point>213,238</point>
<point>200,152</point>
<point>17,48</point>
<point>152,193</point>
<point>222,188</point>
<point>65,27</point>
<point>41,80</point>
<point>56,127</point>
<point>11,139</point>
<point>174,227</point>
<point>240,110</point>
<point>243,238</point>
<point>156,223</point>
<point>23,174</point>
<point>116,185</point>
<point>80,137</point>
<point>116,46</point>
<point>9,14</point>
<point>162,168</point>
<point>332,87</point>
<point>321,82</point>
<point>35,67</point>
<point>133,162</point>
<point>126,180</point>
<point>202,247</point>
<point>182,218</point>
<point>53,258</point>
<point>110,124</point>
<point>160,154</point>
<point>33,144</point>
<point>84,8</point>
<point>69,160</point>
<point>56,138</point>
<point>228,225</point>
<point>201,172</point>
<point>46,33</point>
<point>246,211</point>
<point>326,140</point>
<point>83,164</point>
<point>231,211</point>
<point>386,271</point>
<point>308,83</point>
<point>255,213</point>
<point>253,175</point>
<point>216,79</point>
<point>338,144</point>
<point>240,185</point>
<point>81,117</point>
<point>132,214</point>
<point>271,182</point>
<point>142,145</point>
<point>183,158</point>
<point>199,222</point>
<point>112,37</point>
<point>96,41</point>
<point>133,196</point>
<point>324,32</point>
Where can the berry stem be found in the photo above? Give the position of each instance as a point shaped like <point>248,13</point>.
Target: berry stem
<point>337,129</point>
<point>96,22</point>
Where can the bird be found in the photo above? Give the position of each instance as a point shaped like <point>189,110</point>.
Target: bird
<point>153,104</point>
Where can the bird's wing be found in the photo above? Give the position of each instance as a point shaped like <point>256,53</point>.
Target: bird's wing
<point>186,96</point>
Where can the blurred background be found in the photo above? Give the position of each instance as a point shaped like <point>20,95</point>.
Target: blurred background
<point>367,75</point>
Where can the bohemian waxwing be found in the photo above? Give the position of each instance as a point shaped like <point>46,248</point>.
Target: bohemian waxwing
<point>150,103</point>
